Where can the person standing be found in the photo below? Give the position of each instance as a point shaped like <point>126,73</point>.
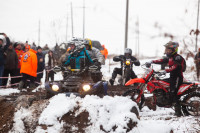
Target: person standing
<point>40,68</point>
<point>49,65</point>
<point>19,52</point>
<point>197,62</point>
<point>29,68</point>
<point>2,54</point>
<point>104,52</point>
<point>11,64</point>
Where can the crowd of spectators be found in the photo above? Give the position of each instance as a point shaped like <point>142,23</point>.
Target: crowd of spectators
<point>24,63</point>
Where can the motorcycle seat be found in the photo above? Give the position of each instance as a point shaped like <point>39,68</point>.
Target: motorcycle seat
<point>187,83</point>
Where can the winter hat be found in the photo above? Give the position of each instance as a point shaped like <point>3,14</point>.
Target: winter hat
<point>16,44</point>
<point>27,47</point>
<point>34,47</point>
<point>39,47</point>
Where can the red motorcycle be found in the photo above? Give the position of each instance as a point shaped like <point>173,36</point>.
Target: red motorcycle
<point>188,92</point>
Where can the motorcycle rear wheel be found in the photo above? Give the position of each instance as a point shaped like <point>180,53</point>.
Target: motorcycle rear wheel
<point>192,104</point>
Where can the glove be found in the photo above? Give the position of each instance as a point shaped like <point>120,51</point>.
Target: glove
<point>97,63</point>
<point>47,67</point>
<point>162,73</point>
<point>148,64</point>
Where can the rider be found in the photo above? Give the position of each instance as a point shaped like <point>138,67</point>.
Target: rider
<point>94,52</point>
<point>79,57</point>
<point>127,55</point>
<point>176,68</point>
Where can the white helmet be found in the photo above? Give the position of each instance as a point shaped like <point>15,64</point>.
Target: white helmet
<point>128,51</point>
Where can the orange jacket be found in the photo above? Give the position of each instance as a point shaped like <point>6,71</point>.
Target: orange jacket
<point>104,52</point>
<point>29,63</point>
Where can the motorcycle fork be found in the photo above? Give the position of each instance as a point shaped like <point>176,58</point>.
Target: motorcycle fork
<point>141,88</point>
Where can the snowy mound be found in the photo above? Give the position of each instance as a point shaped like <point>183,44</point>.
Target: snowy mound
<point>74,114</point>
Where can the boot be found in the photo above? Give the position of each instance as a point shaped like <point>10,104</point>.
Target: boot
<point>178,112</point>
<point>21,85</point>
<point>111,81</point>
<point>32,87</point>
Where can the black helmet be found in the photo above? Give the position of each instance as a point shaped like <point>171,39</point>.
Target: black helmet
<point>173,46</point>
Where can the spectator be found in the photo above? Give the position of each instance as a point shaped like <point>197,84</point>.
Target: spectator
<point>104,52</point>
<point>19,52</point>
<point>2,54</point>
<point>29,68</point>
<point>49,63</point>
<point>11,64</point>
<point>197,62</point>
<point>27,47</point>
<point>46,47</point>
<point>40,68</point>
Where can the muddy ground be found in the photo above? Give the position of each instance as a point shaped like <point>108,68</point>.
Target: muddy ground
<point>36,101</point>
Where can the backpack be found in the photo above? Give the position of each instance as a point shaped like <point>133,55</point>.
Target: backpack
<point>182,62</point>
<point>183,65</point>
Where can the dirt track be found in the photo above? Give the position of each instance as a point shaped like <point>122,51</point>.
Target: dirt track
<point>9,104</point>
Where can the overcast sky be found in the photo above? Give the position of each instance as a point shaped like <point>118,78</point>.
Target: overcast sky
<point>104,21</point>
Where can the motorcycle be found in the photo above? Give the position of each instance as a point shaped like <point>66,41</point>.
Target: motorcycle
<point>126,70</point>
<point>76,81</point>
<point>188,92</point>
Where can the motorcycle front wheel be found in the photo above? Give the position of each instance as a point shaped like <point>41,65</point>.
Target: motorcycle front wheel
<point>134,93</point>
<point>191,104</point>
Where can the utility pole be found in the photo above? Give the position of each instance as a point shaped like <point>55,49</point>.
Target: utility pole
<point>66,27</point>
<point>83,18</point>
<point>197,30</point>
<point>72,20</point>
<point>138,32</point>
<point>137,37</point>
<point>126,26</point>
<point>39,33</point>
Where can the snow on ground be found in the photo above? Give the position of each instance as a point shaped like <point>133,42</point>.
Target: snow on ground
<point>110,110</point>
<point>8,91</point>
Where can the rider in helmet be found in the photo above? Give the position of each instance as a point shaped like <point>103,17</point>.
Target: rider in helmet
<point>94,52</point>
<point>78,57</point>
<point>176,68</point>
<point>127,55</point>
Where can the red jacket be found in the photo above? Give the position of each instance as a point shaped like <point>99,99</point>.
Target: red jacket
<point>19,55</point>
<point>29,63</point>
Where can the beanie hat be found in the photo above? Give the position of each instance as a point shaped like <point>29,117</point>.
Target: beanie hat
<point>39,47</point>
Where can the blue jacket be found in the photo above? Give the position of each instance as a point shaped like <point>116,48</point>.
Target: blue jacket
<point>83,54</point>
<point>2,50</point>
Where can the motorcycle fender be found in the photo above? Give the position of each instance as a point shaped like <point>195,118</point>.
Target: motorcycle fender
<point>135,80</point>
<point>183,88</point>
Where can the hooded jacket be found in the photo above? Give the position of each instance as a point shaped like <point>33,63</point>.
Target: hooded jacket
<point>2,50</point>
<point>95,53</point>
<point>29,63</point>
<point>74,59</point>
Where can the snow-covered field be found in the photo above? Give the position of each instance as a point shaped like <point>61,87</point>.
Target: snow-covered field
<point>108,111</point>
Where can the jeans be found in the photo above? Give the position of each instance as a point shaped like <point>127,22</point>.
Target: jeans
<point>1,74</point>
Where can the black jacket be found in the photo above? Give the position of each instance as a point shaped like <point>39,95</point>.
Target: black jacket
<point>2,50</point>
<point>11,61</point>
<point>122,58</point>
<point>41,65</point>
